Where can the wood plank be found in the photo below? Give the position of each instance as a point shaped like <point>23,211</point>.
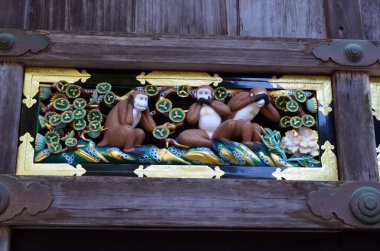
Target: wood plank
<point>191,53</point>
<point>232,10</point>
<point>354,127</point>
<point>11,81</point>
<point>371,19</point>
<point>178,203</point>
<point>279,18</point>
<point>72,15</point>
<point>13,14</point>
<point>345,19</point>
<point>5,238</point>
<point>181,17</point>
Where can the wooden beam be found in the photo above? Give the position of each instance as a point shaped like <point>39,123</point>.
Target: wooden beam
<point>11,81</point>
<point>191,53</point>
<point>354,127</point>
<point>178,203</point>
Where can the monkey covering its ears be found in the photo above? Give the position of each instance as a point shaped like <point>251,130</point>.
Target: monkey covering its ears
<point>245,106</point>
<point>122,120</point>
<point>208,113</point>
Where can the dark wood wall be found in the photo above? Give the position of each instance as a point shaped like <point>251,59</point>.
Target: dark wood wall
<point>257,18</point>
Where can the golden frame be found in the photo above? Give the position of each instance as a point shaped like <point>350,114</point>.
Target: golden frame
<point>35,75</point>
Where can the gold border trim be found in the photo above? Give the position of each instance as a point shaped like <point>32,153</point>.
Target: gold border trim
<point>179,171</point>
<point>25,156</point>
<point>26,165</point>
<point>173,78</point>
<point>35,75</point>
<point>322,86</point>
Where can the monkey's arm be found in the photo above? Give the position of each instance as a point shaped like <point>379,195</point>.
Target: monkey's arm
<point>221,108</point>
<point>270,112</point>
<point>147,122</point>
<point>192,115</point>
<point>239,101</point>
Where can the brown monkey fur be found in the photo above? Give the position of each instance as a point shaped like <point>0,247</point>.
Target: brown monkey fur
<point>243,129</point>
<point>199,137</point>
<point>120,132</point>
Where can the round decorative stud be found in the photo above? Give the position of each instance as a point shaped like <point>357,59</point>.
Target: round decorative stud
<point>94,115</point>
<point>161,132</point>
<point>61,86</point>
<point>292,106</point>
<point>164,105</point>
<point>7,42</point>
<point>4,197</point>
<point>300,96</point>
<point>308,120</point>
<point>61,104</point>
<point>296,122</point>
<point>73,91</point>
<point>55,120</point>
<point>55,147</point>
<point>365,205</point>
<point>70,142</point>
<point>51,137</point>
<point>79,124</point>
<point>285,121</point>
<point>80,103</point>
<point>67,117</point>
<point>220,93</point>
<point>177,115</point>
<point>151,90</point>
<point>353,52</point>
<point>281,102</point>
<point>79,114</point>
<point>103,88</point>
<point>109,98</point>
<point>183,91</point>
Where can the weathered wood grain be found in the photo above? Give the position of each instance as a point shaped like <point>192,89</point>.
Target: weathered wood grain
<point>5,238</point>
<point>232,9</point>
<point>282,18</point>
<point>73,15</point>
<point>345,19</point>
<point>14,14</point>
<point>178,203</point>
<point>181,17</point>
<point>354,127</point>
<point>190,53</point>
<point>371,18</point>
<point>11,81</point>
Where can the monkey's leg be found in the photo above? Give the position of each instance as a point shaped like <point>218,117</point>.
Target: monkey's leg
<point>194,138</point>
<point>244,131</point>
<point>139,137</point>
<point>256,129</point>
<point>225,130</point>
<point>128,135</point>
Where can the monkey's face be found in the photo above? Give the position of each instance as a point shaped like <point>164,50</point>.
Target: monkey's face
<point>141,102</point>
<point>259,98</point>
<point>204,93</point>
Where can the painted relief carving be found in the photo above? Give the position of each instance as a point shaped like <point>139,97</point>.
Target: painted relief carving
<point>252,129</point>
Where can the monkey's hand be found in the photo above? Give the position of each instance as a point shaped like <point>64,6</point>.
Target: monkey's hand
<point>130,100</point>
<point>202,101</point>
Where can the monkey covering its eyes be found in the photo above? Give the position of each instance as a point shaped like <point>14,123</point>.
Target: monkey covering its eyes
<point>122,120</point>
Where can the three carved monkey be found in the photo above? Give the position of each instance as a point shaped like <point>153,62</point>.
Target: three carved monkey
<point>215,119</point>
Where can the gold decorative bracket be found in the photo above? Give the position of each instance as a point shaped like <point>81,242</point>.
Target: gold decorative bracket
<point>173,78</point>
<point>179,171</point>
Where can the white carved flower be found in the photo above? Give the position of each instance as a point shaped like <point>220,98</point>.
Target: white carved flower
<point>302,140</point>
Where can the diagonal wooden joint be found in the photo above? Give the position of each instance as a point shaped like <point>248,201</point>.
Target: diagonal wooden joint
<point>355,203</point>
<point>19,42</point>
<point>17,196</point>
<point>348,52</point>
